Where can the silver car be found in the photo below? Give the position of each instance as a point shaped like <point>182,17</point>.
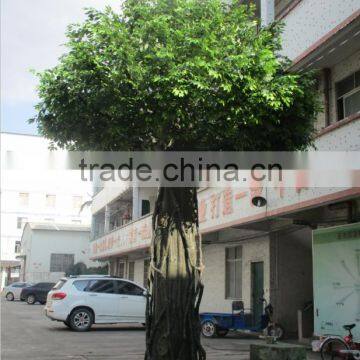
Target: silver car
<point>12,291</point>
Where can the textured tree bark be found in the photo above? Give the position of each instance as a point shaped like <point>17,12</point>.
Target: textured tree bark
<point>172,324</point>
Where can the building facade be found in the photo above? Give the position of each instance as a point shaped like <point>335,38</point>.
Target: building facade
<point>49,250</point>
<point>34,195</point>
<point>251,252</point>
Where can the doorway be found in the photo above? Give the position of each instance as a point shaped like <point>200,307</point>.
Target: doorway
<point>257,289</point>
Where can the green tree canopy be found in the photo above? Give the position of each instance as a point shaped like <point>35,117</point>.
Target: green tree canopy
<point>181,74</point>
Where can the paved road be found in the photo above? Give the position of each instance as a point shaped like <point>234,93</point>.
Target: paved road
<point>27,334</point>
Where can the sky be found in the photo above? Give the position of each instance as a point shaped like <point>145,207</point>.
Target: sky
<point>32,34</point>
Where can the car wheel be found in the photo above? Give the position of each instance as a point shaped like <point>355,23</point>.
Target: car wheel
<point>208,329</point>
<point>10,296</point>
<point>31,300</point>
<point>81,319</point>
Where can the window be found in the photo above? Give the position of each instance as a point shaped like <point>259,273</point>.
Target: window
<point>146,271</point>
<point>18,285</point>
<point>76,202</point>
<point>81,285</point>
<point>61,262</point>
<point>348,96</point>
<point>17,246</point>
<point>233,273</point>
<point>59,284</point>
<point>131,273</point>
<point>145,207</point>
<point>21,221</point>
<point>50,200</point>
<point>121,269</point>
<point>126,288</point>
<point>23,199</point>
<point>102,286</point>
<point>45,285</point>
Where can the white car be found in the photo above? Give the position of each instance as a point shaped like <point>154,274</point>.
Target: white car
<point>12,292</point>
<point>82,301</point>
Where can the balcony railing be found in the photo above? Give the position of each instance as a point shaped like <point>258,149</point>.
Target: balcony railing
<point>134,235</point>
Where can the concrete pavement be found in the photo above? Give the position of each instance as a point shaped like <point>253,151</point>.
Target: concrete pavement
<point>27,334</point>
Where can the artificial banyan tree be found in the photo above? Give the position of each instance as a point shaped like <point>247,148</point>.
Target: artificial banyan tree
<point>175,75</point>
<point>175,278</point>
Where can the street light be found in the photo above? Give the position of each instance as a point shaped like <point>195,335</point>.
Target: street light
<point>258,201</point>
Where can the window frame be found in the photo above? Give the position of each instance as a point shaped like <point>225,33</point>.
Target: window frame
<point>346,96</point>
<point>61,264</point>
<point>231,292</point>
<point>145,207</point>
<point>354,90</point>
<point>133,270</point>
<point>120,265</point>
<point>93,281</point>
<point>86,281</point>
<point>127,283</point>
<point>17,246</point>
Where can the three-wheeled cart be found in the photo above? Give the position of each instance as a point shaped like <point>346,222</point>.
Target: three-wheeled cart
<point>219,324</point>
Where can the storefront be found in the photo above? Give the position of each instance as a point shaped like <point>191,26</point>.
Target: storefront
<point>249,252</point>
<point>337,279</point>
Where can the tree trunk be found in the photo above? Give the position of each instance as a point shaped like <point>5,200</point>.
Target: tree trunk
<point>172,316</point>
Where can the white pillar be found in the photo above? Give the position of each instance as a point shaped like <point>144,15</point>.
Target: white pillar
<point>135,203</point>
<point>107,219</point>
<point>267,12</point>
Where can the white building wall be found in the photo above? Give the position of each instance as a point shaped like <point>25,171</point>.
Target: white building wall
<point>344,138</point>
<point>214,274</point>
<point>43,243</point>
<point>139,272</point>
<point>310,20</point>
<point>64,184</point>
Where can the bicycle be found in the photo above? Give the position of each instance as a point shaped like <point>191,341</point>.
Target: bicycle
<point>336,347</point>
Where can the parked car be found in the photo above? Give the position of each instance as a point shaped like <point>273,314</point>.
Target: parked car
<point>12,292</point>
<point>79,302</point>
<point>36,293</point>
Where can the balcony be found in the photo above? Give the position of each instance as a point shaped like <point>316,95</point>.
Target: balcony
<point>108,194</point>
<point>220,209</point>
<point>133,236</point>
<point>115,214</point>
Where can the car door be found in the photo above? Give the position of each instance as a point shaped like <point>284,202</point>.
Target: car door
<point>102,298</point>
<point>132,302</point>
<point>46,290</point>
<point>43,290</point>
<point>17,288</point>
